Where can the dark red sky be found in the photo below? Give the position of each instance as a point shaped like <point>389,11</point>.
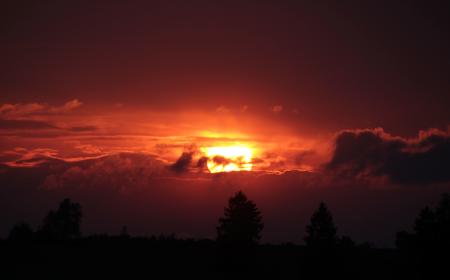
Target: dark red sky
<point>107,95</point>
<point>343,65</point>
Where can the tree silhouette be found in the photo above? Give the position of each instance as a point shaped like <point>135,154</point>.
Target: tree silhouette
<point>321,232</point>
<point>431,228</point>
<point>124,232</point>
<point>442,220</point>
<point>426,226</point>
<point>63,223</point>
<point>241,223</point>
<point>21,232</point>
<point>430,240</point>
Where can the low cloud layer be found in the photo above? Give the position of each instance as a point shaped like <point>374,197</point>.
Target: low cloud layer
<point>421,160</point>
<point>25,124</point>
<point>39,116</point>
<point>28,109</point>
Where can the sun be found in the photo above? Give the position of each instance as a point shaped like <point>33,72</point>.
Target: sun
<point>228,158</point>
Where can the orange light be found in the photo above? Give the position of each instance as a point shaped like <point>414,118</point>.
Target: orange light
<point>228,158</point>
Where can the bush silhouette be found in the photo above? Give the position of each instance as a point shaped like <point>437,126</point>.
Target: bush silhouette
<point>346,243</point>
<point>63,223</point>
<point>21,232</point>
<point>321,232</point>
<point>241,223</point>
<point>124,232</point>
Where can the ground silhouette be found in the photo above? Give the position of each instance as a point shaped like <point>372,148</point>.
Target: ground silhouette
<point>21,232</point>
<point>58,250</point>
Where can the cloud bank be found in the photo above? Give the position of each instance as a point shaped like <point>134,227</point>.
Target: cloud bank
<point>27,109</point>
<point>421,160</point>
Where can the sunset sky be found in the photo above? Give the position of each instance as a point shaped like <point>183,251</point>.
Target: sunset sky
<point>136,103</point>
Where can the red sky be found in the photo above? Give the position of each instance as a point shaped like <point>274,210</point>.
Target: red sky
<point>358,91</point>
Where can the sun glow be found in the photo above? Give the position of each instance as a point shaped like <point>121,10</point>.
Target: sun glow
<point>228,158</point>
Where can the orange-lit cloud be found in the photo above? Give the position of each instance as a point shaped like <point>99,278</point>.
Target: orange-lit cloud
<point>165,135</point>
<point>277,108</point>
<point>275,145</point>
<point>27,109</point>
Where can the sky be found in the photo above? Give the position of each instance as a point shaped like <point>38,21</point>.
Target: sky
<point>122,102</point>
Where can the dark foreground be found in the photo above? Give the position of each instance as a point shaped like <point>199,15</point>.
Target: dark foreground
<point>106,257</point>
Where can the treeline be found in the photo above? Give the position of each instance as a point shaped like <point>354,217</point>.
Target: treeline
<point>420,254</point>
<point>242,224</point>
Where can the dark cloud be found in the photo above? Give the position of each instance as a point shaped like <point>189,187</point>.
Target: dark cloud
<point>122,171</point>
<point>421,160</point>
<point>83,128</point>
<point>221,160</point>
<point>25,124</point>
<point>183,162</point>
<point>300,157</point>
<point>202,163</point>
<point>9,156</point>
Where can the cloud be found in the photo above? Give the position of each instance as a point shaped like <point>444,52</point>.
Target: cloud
<point>202,163</point>
<point>83,128</point>
<point>27,109</point>
<point>277,109</point>
<point>122,171</point>
<point>21,109</point>
<point>67,107</point>
<point>35,116</point>
<point>28,157</point>
<point>89,149</point>
<point>421,160</point>
<point>183,162</point>
<point>8,156</point>
<point>29,124</point>
<point>301,156</point>
<point>220,160</point>
<point>222,109</point>
<point>25,124</point>
<point>293,158</point>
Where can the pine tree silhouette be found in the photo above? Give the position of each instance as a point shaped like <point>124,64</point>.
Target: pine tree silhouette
<point>241,223</point>
<point>429,244</point>
<point>321,232</point>
<point>432,227</point>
